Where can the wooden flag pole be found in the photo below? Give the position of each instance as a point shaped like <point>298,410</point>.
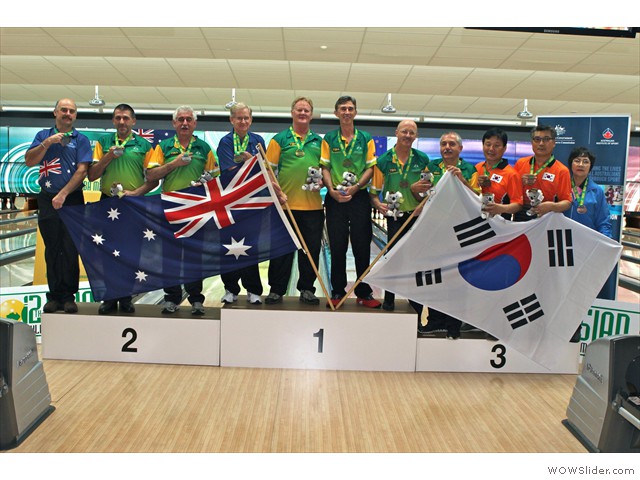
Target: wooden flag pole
<point>382,252</point>
<point>297,229</point>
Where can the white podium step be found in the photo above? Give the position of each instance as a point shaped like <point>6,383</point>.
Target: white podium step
<point>438,354</point>
<point>294,335</point>
<point>147,336</point>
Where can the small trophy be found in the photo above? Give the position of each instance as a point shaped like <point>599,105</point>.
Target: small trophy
<point>487,199</point>
<point>428,176</point>
<point>394,200</point>
<point>204,178</point>
<point>116,190</point>
<point>535,197</point>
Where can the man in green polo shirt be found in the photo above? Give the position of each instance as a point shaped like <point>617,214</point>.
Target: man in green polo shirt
<point>179,161</point>
<point>120,159</point>
<point>450,150</point>
<point>349,151</point>
<point>399,170</point>
<point>291,153</point>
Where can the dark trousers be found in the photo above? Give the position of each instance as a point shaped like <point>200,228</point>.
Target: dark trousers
<point>393,226</point>
<point>193,289</point>
<point>250,277</point>
<point>60,253</point>
<point>346,222</point>
<point>310,223</point>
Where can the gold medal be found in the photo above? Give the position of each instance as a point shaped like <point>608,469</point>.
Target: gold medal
<point>299,153</point>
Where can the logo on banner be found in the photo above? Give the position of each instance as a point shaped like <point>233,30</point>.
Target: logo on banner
<point>607,134</point>
<point>560,130</point>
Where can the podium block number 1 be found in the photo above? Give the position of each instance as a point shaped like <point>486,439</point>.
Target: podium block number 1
<point>320,336</point>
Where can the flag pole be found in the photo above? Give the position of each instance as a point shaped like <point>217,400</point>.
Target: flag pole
<point>382,252</point>
<point>295,226</point>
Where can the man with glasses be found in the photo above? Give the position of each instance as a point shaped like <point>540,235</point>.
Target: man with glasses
<point>543,176</point>
<point>63,155</point>
<point>179,161</point>
<point>121,158</point>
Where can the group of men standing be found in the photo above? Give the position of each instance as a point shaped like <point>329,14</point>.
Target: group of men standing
<point>355,181</point>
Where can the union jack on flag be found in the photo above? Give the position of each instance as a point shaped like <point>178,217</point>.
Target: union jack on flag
<point>146,134</point>
<point>50,167</point>
<point>220,197</point>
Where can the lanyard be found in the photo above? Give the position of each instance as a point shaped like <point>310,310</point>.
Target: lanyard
<point>349,149</point>
<point>176,144</point>
<point>124,142</point>
<point>488,172</point>
<point>238,147</point>
<point>580,197</point>
<point>403,168</point>
<point>547,163</point>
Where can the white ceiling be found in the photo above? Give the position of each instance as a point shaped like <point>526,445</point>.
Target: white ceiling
<point>431,71</point>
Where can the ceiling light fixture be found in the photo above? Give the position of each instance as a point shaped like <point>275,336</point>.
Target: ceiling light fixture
<point>525,114</point>
<point>233,102</point>
<point>97,101</point>
<point>388,108</point>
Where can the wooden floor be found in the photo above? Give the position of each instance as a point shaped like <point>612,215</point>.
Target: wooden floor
<point>117,407</point>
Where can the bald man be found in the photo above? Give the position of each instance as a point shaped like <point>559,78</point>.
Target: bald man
<point>399,170</point>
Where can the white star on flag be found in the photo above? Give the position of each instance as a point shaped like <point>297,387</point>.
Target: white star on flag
<point>237,248</point>
<point>116,253</point>
<point>149,235</point>
<point>47,184</point>
<point>113,214</point>
<point>97,239</point>
<point>141,276</point>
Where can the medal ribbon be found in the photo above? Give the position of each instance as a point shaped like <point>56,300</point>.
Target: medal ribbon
<point>176,144</point>
<point>238,147</point>
<point>348,151</point>
<point>124,142</point>
<point>300,141</point>
<point>403,168</point>
<point>547,163</point>
<point>488,172</point>
<point>580,197</point>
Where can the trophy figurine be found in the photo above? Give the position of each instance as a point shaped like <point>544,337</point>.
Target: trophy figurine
<point>204,178</point>
<point>487,199</point>
<point>428,176</point>
<point>535,197</point>
<point>116,190</point>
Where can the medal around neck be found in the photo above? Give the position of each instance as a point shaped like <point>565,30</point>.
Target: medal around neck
<point>186,158</point>
<point>65,140</point>
<point>582,209</point>
<point>118,151</point>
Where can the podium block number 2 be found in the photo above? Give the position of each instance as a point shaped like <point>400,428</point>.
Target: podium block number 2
<point>134,336</point>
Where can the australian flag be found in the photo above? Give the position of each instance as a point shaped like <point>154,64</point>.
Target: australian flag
<point>132,245</point>
<point>529,284</point>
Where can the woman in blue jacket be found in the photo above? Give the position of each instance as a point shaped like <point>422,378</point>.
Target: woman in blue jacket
<point>589,206</point>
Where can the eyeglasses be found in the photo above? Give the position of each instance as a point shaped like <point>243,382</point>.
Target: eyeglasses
<point>541,139</point>
<point>581,161</point>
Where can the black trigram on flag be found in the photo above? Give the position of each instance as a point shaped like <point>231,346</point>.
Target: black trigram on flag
<point>560,248</point>
<point>524,311</point>
<point>429,277</point>
<point>473,231</point>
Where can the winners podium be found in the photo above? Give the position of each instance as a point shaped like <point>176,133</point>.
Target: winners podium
<point>286,335</point>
